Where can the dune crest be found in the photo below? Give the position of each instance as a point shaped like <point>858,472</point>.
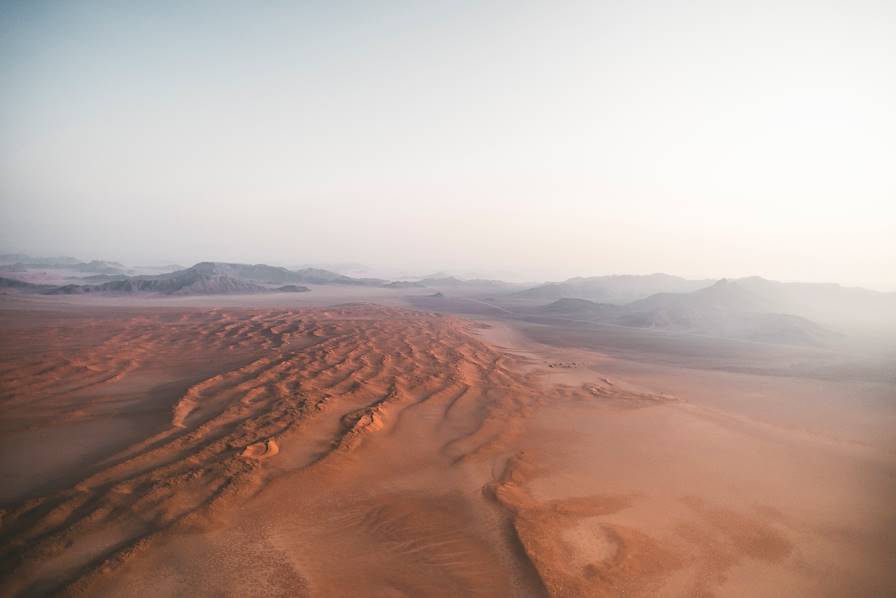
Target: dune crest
<point>371,368</point>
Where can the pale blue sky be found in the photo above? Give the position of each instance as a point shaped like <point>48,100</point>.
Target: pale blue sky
<point>547,139</point>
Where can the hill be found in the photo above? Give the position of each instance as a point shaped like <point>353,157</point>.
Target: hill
<point>207,278</point>
<point>185,283</point>
<point>579,309</point>
<point>618,289</point>
<point>725,309</point>
<point>832,305</point>
<point>14,283</point>
<point>453,282</point>
<point>19,262</point>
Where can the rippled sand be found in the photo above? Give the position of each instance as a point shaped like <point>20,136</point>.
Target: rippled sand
<point>362,450</point>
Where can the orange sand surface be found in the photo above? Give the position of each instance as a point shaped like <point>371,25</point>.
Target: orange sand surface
<point>361,450</point>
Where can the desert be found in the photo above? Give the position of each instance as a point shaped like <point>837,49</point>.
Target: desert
<point>322,299</point>
<point>351,444</point>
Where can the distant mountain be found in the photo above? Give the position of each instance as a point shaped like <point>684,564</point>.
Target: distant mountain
<point>438,274</point>
<point>95,278</point>
<point>100,267</point>
<point>617,289</point>
<point>256,273</point>
<point>340,267</point>
<point>580,309</point>
<point>207,278</point>
<point>14,283</point>
<point>723,296</point>
<point>21,258</point>
<point>264,274</point>
<point>404,284</point>
<point>19,262</point>
<point>14,267</point>
<point>187,283</point>
<point>830,304</point>
<point>321,276</point>
<point>725,309</point>
<point>454,282</point>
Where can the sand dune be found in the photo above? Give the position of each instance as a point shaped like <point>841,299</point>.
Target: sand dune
<point>364,365</point>
<point>365,450</point>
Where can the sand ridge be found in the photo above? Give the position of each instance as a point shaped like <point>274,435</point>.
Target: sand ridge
<point>371,365</point>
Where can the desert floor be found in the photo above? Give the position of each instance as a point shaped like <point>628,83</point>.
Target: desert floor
<point>261,448</point>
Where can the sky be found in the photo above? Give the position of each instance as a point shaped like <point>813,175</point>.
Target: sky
<point>530,140</point>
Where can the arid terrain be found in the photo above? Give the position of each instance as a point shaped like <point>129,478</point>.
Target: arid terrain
<point>448,299</point>
<point>354,446</point>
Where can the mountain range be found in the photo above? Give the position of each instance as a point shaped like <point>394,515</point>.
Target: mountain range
<point>725,309</point>
<point>19,262</point>
<point>751,308</point>
<point>620,289</point>
<point>204,278</point>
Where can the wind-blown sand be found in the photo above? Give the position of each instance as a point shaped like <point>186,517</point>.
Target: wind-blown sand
<point>366,450</point>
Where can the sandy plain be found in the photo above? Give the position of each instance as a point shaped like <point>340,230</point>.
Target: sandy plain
<point>261,448</point>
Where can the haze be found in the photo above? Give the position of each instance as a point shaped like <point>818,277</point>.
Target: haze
<point>700,138</point>
<point>440,299</point>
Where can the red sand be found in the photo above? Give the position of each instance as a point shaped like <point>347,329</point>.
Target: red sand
<point>365,450</point>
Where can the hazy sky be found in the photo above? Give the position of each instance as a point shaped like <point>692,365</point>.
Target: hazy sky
<point>546,139</point>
